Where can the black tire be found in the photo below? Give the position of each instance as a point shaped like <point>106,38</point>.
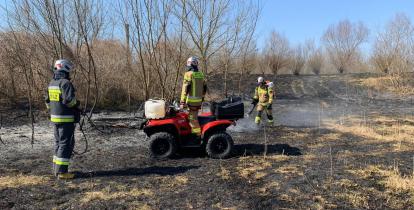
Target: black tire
<point>162,145</point>
<point>219,145</point>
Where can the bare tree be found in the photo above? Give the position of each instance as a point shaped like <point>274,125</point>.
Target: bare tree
<point>237,39</point>
<point>43,31</point>
<point>89,19</point>
<point>9,88</point>
<point>248,63</point>
<point>314,57</point>
<point>342,41</point>
<point>23,48</point>
<point>298,59</point>
<point>392,50</point>
<point>248,51</point>
<point>207,23</point>
<point>228,53</point>
<point>142,39</point>
<point>159,48</point>
<point>162,34</point>
<point>179,50</point>
<point>277,52</point>
<point>23,63</point>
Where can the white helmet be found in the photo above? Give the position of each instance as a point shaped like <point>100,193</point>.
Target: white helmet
<point>63,65</point>
<point>192,61</point>
<point>260,80</point>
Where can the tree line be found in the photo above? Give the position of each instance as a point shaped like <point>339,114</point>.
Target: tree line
<point>131,50</point>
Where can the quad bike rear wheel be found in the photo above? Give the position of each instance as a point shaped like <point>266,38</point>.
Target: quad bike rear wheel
<point>219,145</point>
<point>162,145</point>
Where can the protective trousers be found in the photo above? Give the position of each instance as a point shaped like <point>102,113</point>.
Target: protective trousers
<point>64,144</point>
<point>268,109</point>
<point>193,118</point>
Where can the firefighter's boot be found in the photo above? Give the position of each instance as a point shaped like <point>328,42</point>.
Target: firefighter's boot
<point>66,176</point>
<point>270,122</point>
<point>257,120</point>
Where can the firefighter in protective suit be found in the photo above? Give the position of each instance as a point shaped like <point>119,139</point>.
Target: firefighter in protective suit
<point>263,98</point>
<point>192,95</point>
<point>63,108</point>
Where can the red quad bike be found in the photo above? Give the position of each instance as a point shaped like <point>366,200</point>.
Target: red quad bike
<point>172,132</point>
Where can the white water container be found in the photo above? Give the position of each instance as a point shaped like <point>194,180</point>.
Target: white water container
<point>154,109</point>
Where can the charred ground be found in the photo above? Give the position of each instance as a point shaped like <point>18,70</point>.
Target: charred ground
<point>337,144</point>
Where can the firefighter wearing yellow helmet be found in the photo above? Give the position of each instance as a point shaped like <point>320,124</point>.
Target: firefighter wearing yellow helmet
<point>263,97</point>
<point>192,95</point>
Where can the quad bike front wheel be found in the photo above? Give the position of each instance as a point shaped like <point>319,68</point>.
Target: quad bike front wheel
<point>162,145</point>
<point>219,145</point>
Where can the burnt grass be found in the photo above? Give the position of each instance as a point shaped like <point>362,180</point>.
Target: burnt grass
<point>303,167</point>
<point>126,166</point>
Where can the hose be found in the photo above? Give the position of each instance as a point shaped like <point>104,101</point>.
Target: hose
<point>81,123</point>
<point>84,138</point>
<point>1,124</point>
<point>93,125</point>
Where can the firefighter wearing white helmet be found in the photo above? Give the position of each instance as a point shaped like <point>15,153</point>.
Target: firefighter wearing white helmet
<point>63,107</point>
<point>192,95</point>
<point>263,98</point>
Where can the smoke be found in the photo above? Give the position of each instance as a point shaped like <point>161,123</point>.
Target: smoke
<point>306,115</point>
<point>318,101</point>
<point>290,113</point>
<point>245,125</point>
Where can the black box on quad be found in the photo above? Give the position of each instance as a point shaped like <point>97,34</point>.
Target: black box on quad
<point>230,108</point>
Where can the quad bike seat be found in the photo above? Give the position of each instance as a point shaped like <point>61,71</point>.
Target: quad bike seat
<point>206,118</point>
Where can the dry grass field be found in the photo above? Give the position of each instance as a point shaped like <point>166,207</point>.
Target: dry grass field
<point>338,143</point>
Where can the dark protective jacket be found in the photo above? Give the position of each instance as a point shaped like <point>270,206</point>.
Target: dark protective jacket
<point>61,99</point>
<point>194,87</point>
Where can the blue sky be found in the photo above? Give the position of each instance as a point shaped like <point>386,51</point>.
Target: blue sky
<point>300,20</point>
